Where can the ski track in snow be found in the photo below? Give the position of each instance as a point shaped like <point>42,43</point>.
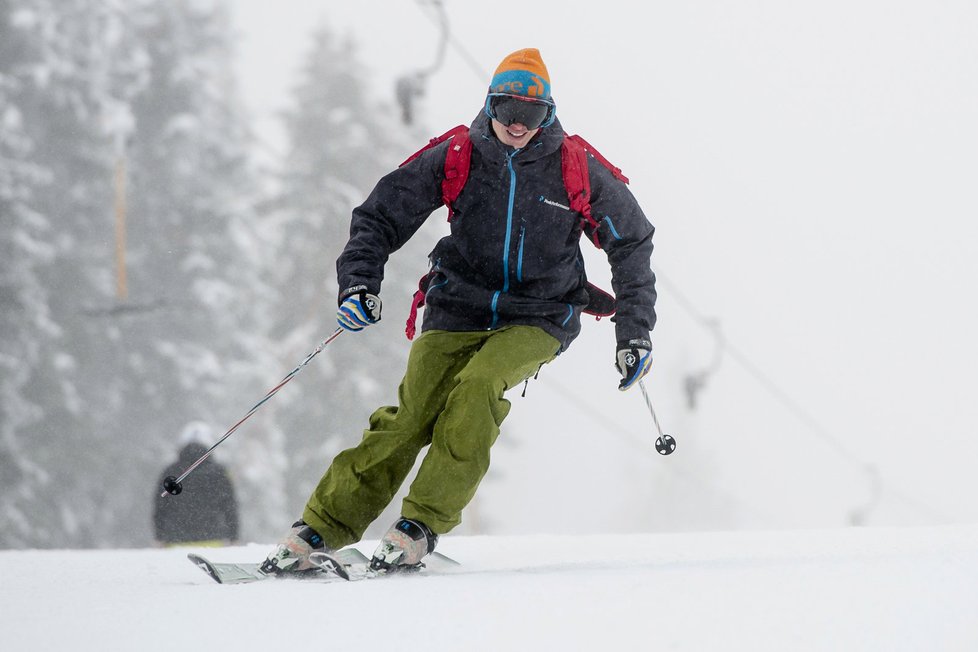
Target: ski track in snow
<point>853,589</point>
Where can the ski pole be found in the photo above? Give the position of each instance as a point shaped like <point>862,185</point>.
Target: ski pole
<point>172,485</point>
<point>665,444</point>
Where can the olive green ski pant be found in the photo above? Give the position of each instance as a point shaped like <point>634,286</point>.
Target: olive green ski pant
<point>451,398</point>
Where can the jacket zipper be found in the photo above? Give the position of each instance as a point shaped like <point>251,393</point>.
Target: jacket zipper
<point>509,237</point>
<point>519,258</point>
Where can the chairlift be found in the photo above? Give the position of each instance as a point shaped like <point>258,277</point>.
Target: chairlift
<point>411,86</point>
<point>694,382</point>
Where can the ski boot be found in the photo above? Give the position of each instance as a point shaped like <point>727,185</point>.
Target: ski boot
<point>292,553</point>
<point>403,547</point>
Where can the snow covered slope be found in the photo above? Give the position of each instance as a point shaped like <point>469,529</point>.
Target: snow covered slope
<point>855,589</point>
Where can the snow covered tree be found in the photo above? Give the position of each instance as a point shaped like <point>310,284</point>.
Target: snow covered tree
<point>50,102</point>
<point>25,319</point>
<point>198,261</point>
<point>340,144</point>
<point>118,110</point>
<point>141,287</point>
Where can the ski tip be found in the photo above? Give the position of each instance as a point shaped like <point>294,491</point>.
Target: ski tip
<point>205,566</point>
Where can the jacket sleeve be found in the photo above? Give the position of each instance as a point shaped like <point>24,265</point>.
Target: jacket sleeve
<point>392,213</point>
<point>626,237</point>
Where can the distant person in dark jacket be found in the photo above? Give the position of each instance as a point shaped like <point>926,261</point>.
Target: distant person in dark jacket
<point>207,512</point>
<point>505,295</point>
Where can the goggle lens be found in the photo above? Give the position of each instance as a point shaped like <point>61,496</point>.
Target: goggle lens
<point>511,109</point>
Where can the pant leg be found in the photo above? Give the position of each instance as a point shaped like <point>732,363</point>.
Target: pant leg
<point>361,481</point>
<point>469,424</point>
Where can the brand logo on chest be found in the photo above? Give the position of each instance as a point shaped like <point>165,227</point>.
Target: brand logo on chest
<point>551,202</point>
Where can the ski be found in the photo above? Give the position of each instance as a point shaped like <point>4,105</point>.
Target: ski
<point>348,564</point>
<point>241,573</point>
<point>362,570</point>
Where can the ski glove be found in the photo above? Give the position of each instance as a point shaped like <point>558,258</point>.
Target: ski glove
<point>634,360</point>
<point>358,309</point>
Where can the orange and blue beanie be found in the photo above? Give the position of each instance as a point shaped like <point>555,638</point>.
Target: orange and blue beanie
<point>522,73</point>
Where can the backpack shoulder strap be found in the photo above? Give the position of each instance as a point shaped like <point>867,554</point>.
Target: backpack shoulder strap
<point>616,171</point>
<point>458,159</point>
<point>577,182</point>
<point>574,153</point>
<point>437,140</point>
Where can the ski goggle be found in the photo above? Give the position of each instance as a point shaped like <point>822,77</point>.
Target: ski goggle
<point>512,109</point>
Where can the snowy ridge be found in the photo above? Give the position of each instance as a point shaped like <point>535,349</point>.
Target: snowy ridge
<point>853,589</point>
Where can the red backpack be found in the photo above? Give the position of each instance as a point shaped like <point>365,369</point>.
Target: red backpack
<point>574,153</point>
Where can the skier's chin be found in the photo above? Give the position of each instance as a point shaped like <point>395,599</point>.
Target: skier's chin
<point>521,140</point>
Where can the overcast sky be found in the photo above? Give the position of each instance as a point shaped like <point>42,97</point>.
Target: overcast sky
<point>810,169</point>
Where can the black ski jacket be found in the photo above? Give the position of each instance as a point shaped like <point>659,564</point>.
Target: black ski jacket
<point>513,255</point>
<point>206,510</point>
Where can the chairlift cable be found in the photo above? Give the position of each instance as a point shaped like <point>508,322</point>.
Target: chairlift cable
<point>621,432</point>
<point>450,39</point>
<point>815,427</point>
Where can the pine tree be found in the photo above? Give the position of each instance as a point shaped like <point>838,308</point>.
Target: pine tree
<point>54,107</point>
<point>195,239</point>
<point>340,144</point>
<point>100,94</point>
<point>25,319</point>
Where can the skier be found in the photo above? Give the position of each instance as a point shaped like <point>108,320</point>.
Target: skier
<point>207,516</point>
<point>504,297</point>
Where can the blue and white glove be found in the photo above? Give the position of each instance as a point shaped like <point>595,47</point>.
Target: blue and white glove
<point>634,360</point>
<point>358,309</point>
